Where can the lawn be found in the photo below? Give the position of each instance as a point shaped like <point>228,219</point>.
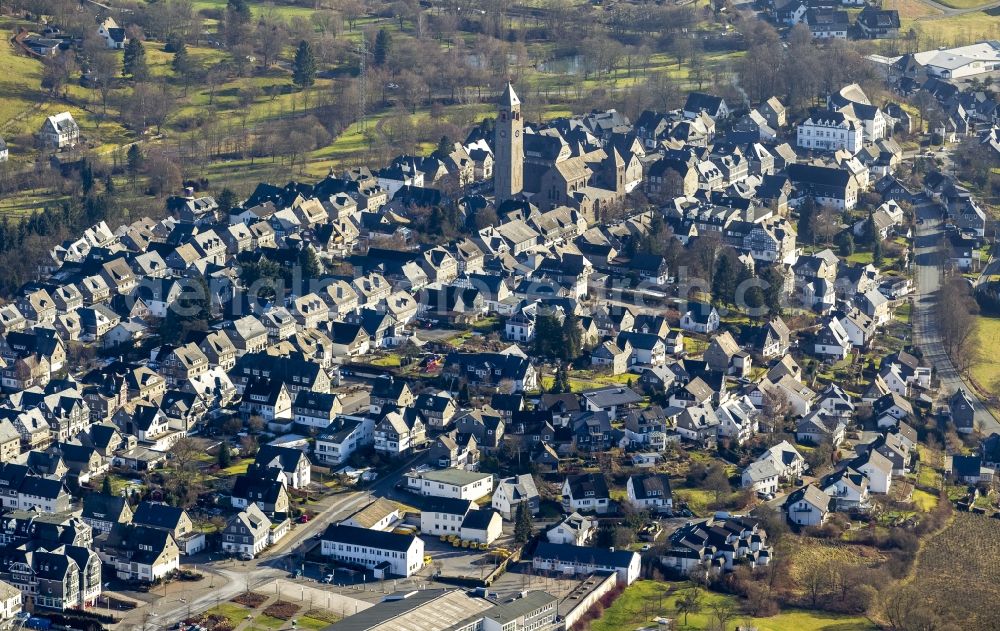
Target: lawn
<point>864,257</point>
<point>986,365</point>
<point>646,600</point>
<point>903,313</point>
<point>924,500</point>
<point>238,467</point>
<point>392,360</point>
<point>232,612</point>
<point>697,499</point>
<point>267,622</point>
<point>308,622</point>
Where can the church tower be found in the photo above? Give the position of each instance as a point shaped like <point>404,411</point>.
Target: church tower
<point>508,164</point>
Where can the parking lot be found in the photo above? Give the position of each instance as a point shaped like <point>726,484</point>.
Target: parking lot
<point>447,560</point>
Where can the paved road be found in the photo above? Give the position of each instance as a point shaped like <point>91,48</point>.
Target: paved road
<point>233,577</point>
<point>925,331</point>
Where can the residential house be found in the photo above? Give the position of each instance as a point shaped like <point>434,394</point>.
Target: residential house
<point>649,492</point>
<point>575,529</point>
<point>586,492</point>
<point>807,506</point>
<point>451,483</point>
<point>247,533</point>
<point>511,492</point>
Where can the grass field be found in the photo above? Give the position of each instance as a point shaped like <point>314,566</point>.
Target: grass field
<point>963,4</point>
<point>911,9</point>
<point>986,367</point>
<point>956,569</point>
<point>645,600</point>
<point>956,29</point>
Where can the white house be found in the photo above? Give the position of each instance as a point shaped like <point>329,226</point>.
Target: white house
<point>649,491</point>
<point>700,318</point>
<point>787,460</point>
<point>290,460</point>
<point>445,515</point>
<point>575,530</point>
<point>830,131</point>
<point>10,601</point>
<point>761,476</point>
<point>512,492</point>
<point>586,492</point>
<point>877,468</point>
<point>60,131</point>
<point>451,483</point>
<point>335,446</point>
<point>385,552</point>
<point>848,489</point>
<point>112,34</point>
<point>807,506</point>
<point>482,526</point>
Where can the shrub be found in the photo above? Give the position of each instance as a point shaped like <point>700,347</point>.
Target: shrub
<point>282,610</point>
<point>250,599</point>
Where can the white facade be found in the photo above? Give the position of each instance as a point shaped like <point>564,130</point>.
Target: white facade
<point>652,500</point>
<point>401,562</point>
<point>435,522</point>
<point>337,447</point>
<point>451,483</point>
<point>830,135</point>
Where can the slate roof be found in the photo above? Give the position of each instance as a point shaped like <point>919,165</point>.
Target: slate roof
<point>369,538</point>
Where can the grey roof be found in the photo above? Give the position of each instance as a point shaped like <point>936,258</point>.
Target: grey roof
<point>584,555</point>
<point>612,395</point>
<point>369,538</point>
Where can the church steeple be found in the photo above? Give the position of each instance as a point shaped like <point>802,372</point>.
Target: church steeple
<point>509,98</point>
<point>508,147</point>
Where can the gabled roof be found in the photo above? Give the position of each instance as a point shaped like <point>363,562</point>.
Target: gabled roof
<point>368,538</point>
<point>651,485</point>
<point>811,494</point>
<point>156,515</point>
<point>583,555</point>
<point>581,484</point>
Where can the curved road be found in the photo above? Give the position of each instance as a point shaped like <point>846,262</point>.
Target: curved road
<point>947,11</point>
<point>927,260</point>
<point>234,577</point>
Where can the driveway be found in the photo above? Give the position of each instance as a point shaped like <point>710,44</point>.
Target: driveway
<point>925,327</point>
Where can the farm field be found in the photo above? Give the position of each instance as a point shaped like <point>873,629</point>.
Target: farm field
<point>645,600</point>
<point>956,569</point>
